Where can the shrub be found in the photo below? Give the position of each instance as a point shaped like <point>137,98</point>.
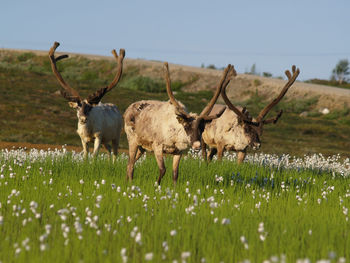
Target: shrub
<point>211,66</point>
<point>267,74</point>
<point>144,84</point>
<point>25,56</point>
<point>257,82</point>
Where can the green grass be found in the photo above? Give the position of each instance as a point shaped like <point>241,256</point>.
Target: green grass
<point>302,212</point>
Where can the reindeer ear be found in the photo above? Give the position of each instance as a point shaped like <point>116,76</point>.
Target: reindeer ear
<point>73,105</point>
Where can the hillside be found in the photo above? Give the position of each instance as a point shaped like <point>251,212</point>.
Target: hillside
<point>32,110</point>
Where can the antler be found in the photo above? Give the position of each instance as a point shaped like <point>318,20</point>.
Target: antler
<point>273,120</point>
<point>96,97</point>
<point>170,93</point>
<point>228,73</point>
<point>239,113</point>
<point>291,80</point>
<point>68,93</point>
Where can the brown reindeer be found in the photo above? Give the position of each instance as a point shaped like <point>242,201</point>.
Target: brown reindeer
<point>98,122</point>
<point>235,129</point>
<point>166,127</point>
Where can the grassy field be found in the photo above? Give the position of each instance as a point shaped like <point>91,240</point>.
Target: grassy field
<point>55,207</point>
<point>31,110</point>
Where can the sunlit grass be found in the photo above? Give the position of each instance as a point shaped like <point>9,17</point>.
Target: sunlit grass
<point>55,207</point>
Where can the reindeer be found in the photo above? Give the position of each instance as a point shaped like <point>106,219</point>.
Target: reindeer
<point>98,122</point>
<point>166,127</point>
<point>236,130</point>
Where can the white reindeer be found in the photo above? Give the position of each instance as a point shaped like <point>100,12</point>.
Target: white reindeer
<point>236,130</point>
<point>98,122</point>
<point>166,127</point>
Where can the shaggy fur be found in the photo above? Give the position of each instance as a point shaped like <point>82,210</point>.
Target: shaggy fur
<point>156,126</point>
<point>227,133</point>
<point>100,124</point>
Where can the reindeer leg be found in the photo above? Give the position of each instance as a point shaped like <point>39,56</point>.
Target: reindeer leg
<point>139,153</point>
<point>132,153</point>
<point>158,153</point>
<point>115,145</point>
<point>204,150</point>
<point>176,162</point>
<point>241,156</point>
<point>85,148</point>
<point>108,147</point>
<point>220,150</point>
<point>97,145</point>
<point>211,154</point>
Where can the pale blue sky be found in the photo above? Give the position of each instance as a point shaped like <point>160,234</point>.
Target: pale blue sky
<point>273,34</point>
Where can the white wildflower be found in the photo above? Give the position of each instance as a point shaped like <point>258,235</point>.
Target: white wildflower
<point>43,247</point>
<point>138,238</point>
<point>185,255</point>
<point>225,221</point>
<point>149,256</point>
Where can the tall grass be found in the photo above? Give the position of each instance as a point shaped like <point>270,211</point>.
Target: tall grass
<point>61,208</point>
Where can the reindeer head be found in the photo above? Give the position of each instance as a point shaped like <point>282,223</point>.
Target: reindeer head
<point>193,123</point>
<point>252,128</point>
<point>84,106</point>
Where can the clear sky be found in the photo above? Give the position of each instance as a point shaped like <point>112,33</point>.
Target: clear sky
<point>273,34</point>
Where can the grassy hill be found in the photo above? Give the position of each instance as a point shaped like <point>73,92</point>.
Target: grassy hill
<point>31,109</point>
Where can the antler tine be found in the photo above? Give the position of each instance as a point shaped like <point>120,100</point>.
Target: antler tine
<point>291,80</point>
<point>231,73</point>
<point>96,97</point>
<point>69,93</point>
<point>273,120</point>
<point>228,73</point>
<point>231,106</point>
<point>170,92</point>
<point>120,59</point>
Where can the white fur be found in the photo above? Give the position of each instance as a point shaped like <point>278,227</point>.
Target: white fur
<point>103,125</point>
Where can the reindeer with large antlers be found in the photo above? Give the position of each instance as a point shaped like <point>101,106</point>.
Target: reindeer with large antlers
<point>236,130</point>
<point>98,122</point>
<point>166,127</point>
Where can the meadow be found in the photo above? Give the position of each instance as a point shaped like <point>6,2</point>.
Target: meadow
<point>57,207</point>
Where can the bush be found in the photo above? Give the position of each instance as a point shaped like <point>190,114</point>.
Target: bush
<point>144,84</point>
<point>25,56</point>
<point>267,74</point>
<point>211,66</point>
<point>257,82</point>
